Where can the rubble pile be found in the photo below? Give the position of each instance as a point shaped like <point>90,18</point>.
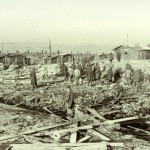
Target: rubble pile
<point>100,110</point>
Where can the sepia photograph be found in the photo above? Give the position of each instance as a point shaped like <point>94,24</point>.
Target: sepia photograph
<point>74,75</point>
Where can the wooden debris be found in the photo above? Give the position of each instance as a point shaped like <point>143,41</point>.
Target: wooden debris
<point>96,133</point>
<point>127,119</point>
<point>137,129</point>
<point>110,112</point>
<point>73,137</point>
<point>64,146</point>
<point>84,139</point>
<point>95,113</point>
<point>70,130</point>
<point>23,102</point>
<point>33,131</point>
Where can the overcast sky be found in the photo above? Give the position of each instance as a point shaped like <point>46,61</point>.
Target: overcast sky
<point>75,21</point>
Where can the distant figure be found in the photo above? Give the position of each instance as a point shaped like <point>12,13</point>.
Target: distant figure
<point>136,76</point>
<point>33,78</point>
<point>71,74</point>
<point>89,74</point>
<point>70,101</point>
<point>64,71</point>
<point>118,56</point>
<point>128,76</point>
<point>93,70</point>
<point>97,73</point>
<point>84,61</point>
<point>73,66</point>
<point>110,74</point>
<point>117,74</point>
<point>77,75</point>
<point>147,77</point>
<point>110,57</point>
<point>79,66</point>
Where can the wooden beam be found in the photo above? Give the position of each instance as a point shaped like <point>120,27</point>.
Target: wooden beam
<point>84,139</point>
<point>96,133</point>
<point>70,130</point>
<point>122,120</point>
<point>137,129</point>
<point>96,114</point>
<point>64,146</point>
<point>73,136</point>
<point>33,131</point>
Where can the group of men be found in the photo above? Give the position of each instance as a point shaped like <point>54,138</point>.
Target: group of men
<point>77,72</point>
<point>112,73</point>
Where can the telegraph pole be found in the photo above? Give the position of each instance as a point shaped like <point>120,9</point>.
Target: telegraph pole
<point>50,48</point>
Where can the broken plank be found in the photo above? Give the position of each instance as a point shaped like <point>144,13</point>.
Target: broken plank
<point>84,139</point>
<point>33,131</point>
<point>96,133</point>
<point>110,112</point>
<point>137,129</point>
<point>26,101</point>
<point>73,136</point>
<point>122,120</point>
<point>72,129</point>
<point>96,114</point>
<point>64,146</point>
<point>102,146</point>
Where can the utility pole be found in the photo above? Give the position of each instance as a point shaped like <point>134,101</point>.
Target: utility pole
<point>50,48</point>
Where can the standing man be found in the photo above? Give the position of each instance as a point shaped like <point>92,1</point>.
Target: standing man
<point>73,66</point>
<point>77,75</point>
<point>110,74</point>
<point>111,57</point>
<point>70,101</point>
<point>97,72</point>
<point>94,73</point>
<point>71,74</point>
<point>89,74</point>
<point>33,78</point>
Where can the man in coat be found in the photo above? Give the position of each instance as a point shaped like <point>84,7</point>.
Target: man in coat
<point>89,74</point>
<point>110,74</point>
<point>33,78</point>
<point>97,72</point>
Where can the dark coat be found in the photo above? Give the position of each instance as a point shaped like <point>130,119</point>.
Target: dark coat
<point>97,73</point>
<point>63,69</point>
<point>73,66</point>
<point>33,78</point>
<point>109,74</point>
<point>117,75</point>
<point>110,57</point>
<point>89,73</point>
